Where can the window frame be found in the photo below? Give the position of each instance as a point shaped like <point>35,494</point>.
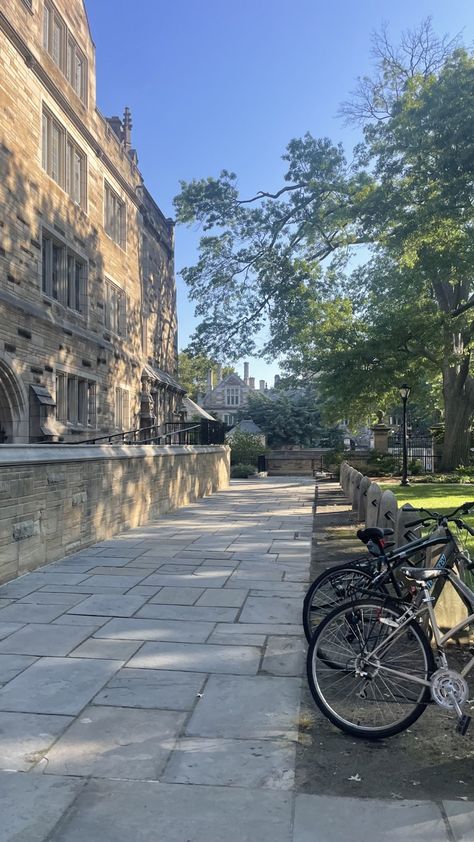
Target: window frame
<point>232,396</point>
<point>115,310</point>
<point>122,408</point>
<point>63,173</point>
<point>60,290</point>
<point>115,227</point>
<point>69,50</point>
<point>76,399</point>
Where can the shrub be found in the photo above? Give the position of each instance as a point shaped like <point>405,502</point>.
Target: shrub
<point>242,471</point>
<point>245,448</point>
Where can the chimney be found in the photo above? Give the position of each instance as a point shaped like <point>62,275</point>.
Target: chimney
<point>210,380</point>
<point>127,129</point>
<point>219,373</point>
<point>277,379</point>
<point>115,124</point>
<point>263,385</point>
<point>252,382</point>
<point>246,373</point>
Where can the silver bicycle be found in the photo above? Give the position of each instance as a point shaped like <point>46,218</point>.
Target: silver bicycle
<point>372,669</point>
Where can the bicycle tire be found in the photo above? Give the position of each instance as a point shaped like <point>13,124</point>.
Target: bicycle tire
<point>370,706</point>
<point>344,582</point>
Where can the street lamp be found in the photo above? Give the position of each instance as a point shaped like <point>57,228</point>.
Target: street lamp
<point>404,394</point>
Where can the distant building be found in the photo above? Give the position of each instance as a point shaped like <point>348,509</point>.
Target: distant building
<point>246,425</point>
<point>226,399</point>
<point>88,328</point>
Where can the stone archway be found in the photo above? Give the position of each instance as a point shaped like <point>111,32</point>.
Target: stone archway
<point>13,404</point>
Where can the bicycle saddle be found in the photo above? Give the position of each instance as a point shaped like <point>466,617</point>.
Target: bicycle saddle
<point>423,574</point>
<point>373,533</point>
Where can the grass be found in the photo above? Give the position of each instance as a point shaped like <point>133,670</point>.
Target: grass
<point>441,498</point>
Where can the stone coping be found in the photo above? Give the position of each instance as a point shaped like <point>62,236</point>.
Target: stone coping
<point>31,454</point>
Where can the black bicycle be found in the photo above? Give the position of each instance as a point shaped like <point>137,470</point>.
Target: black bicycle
<point>377,574</point>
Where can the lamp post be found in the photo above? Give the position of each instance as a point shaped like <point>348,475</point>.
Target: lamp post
<point>404,394</point>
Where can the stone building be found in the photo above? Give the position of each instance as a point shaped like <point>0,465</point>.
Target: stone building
<point>229,395</point>
<point>88,329</point>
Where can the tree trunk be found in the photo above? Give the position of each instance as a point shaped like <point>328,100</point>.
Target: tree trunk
<point>458,413</point>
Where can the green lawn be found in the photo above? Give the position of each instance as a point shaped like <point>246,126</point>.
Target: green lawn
<point>437,497</point>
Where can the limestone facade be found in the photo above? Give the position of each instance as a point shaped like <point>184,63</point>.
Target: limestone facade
<point>88,328</point>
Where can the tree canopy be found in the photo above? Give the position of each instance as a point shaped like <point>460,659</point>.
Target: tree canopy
<point>192,372</point>
<point>293,257</point>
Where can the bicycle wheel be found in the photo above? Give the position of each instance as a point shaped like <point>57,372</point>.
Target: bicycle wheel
<point>369,695</point>
<point>332,588</point>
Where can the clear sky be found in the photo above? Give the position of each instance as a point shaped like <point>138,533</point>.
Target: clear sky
<point>216,84</point>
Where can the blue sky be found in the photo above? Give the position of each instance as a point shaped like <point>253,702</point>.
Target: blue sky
<point>214,84</point>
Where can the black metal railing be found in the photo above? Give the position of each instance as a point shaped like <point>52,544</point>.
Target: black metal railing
<point>172,432</point>
<point>420,449</point>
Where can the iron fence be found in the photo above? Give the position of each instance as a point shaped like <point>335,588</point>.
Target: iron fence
<point>172,432</point>
<point>420,452</point>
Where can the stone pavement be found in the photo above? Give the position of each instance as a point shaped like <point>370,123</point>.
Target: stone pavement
<point>151,688</point>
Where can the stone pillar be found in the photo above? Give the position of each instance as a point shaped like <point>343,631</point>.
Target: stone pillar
<point>381,433</point>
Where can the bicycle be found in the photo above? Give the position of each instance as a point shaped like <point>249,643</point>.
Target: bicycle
<point>383,672</point>
<point>377,573</point>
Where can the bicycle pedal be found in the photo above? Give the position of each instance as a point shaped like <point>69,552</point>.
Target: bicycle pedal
<point>463,724</point>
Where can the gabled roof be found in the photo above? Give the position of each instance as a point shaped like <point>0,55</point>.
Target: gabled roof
<point>194,409</point>
<point>232,379</point>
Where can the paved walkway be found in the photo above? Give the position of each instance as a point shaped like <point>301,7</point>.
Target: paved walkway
<point>151,688</point>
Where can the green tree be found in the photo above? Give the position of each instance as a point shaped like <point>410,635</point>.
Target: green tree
<point>408,196</point>
<point>288,417</point>
<point>193,370</point>
<point>245,448</point>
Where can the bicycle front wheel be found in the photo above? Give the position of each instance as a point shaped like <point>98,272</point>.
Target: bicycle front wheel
<point>332,588</point>
<point>370,678</point>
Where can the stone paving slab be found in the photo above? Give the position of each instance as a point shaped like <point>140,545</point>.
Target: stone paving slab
<point>32,613</point>
<point>80,620</point>
<point>235,660</point>
<point>461,820</point>
<point>188,612</point>
<point>31,805</point>
<point>232,598</point>
<point>284,656</point>
<point>177,596</point>
<point>9,628</point>
<point>12,665</point>
<point>271,610</point>
<point>147,688</point>
<point>56,685</point>
<point>140,629</point>
<point>239,707</point>
<point>120,650</point>
<point>189,580</point>
<point>109,605</point>
<point>120,811</point>
<point>255,764</point>
<point>47,598</point>
<point>367,820</point>
<point>42,639</point>
<point>25,737</point>
<point>259,628</point>
<point>115,742</point>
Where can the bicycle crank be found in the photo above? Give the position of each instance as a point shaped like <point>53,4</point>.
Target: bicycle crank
<point>450,691</point>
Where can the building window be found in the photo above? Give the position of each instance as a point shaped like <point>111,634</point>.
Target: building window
<point>53,150</point>
<point>115,308</point>
<point>114,216</point>
<point>122,409</point>
<point>76,68</point>
<point>64,274</point>
<point>64,51</point>
<point>63,160</point>
<point>75,173</point>
<point>229,420</point>
<point>232,396</point>
<point>75,400</point>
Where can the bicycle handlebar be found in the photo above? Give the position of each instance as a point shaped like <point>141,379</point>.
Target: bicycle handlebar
<point>464,508</point>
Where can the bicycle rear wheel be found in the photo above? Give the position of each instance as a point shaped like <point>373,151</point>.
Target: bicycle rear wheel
<point>365,695</point>
<point>332,588</point>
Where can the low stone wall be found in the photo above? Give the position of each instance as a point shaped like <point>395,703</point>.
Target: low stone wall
<point>298,462</point>
<point>56,499</point>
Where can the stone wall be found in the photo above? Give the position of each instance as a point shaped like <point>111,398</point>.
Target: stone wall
<point>56,499</point>
<point>297,462</point>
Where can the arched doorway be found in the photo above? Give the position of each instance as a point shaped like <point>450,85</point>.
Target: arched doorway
<point>13,405</point>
